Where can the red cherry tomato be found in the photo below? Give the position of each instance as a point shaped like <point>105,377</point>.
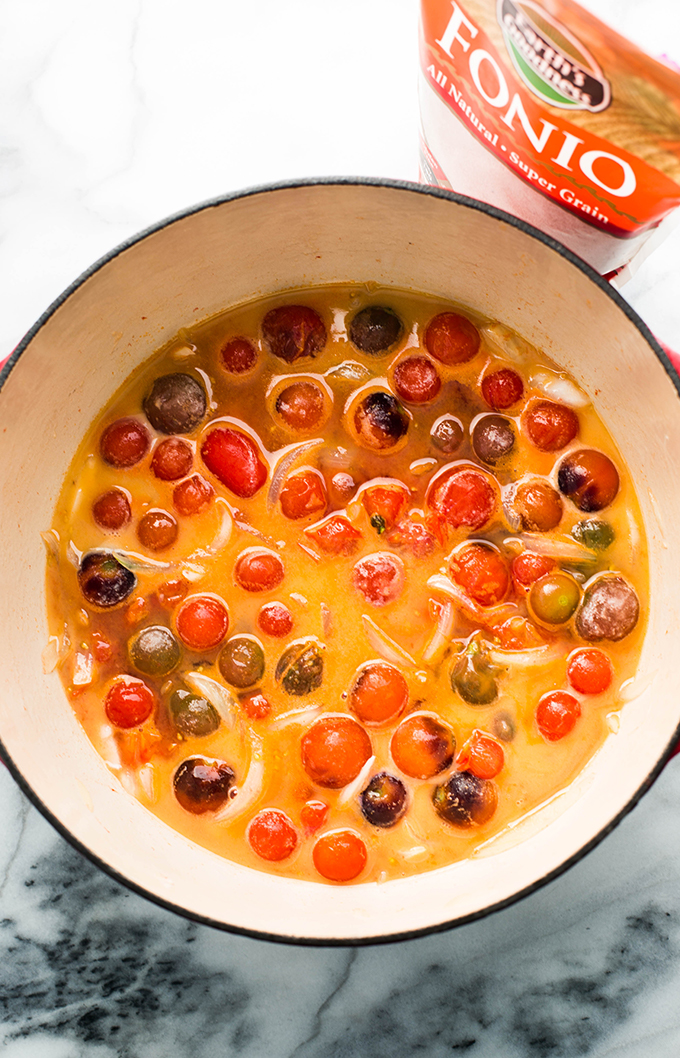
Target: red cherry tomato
<point>422,747</point>
<point>124,442</point>
<point>589,670</point>
<point>481,572</point>
<point>202,622</point>
<point>293,331</point>
<point>255,705</point>
<point>238,356</point>
<point>462,496</point>
<point>502,389</point>
<point>235,459</point>
<point>172,459</point>
<point>416,380</point>
<point>193,495</point>
<point>258,569</point>
<point>384,504</point>
<point>334,750</point>
<point>129,702</point>
<point>379,693</point>
<point>272,835</point>
<point>380,578</point>
<point>275,619</point>
<point>556,715</point>
<point>112,510</point>
<point>550,426</point>
<point>529,567</point>
<point>303,494</point>
<point>336,535</point>
<point>414,537</point>
<point>339,855</point>
<point>451,338</point>
<point>482,755</point>
<point>313,815</point>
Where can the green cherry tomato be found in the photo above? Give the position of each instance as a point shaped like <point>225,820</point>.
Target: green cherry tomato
<point>554,598</point>
<point>154,651</point>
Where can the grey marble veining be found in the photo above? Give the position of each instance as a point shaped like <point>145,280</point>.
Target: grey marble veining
<point>110,118</point>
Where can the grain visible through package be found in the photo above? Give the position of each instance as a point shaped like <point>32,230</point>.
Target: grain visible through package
<point>542,110</point>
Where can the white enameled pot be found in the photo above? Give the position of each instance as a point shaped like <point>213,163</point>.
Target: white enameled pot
<point>253,244</point>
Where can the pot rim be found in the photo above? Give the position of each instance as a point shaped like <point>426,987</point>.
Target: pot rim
<point>291,185</point>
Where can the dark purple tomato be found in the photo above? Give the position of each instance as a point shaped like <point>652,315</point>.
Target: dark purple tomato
<point>465,800</point>
<point>202,784</point>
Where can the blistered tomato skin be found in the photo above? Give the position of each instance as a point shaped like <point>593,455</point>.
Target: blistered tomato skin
<point>340,855</point>
<point>303,495</point>
<point>493,438</point>
<point>271,835</point>
<point>556,715</point>
<point>501,389</point>
<point>172,459</point>
<point>157,530</point>
<point>300,668</point>
<point>550,426</point>
<point>202,622</point>
<point>235,460</point>
<point>154,651</point>
<point>192,495</point>
<point>380,421</point>
<point>452,339</point>
<point>111,510</point>
<point>463,497</point>
<point>379,693</point>
<point>528,567</point>
<point>202,784</point>
<point>103,580</point>
<point>238,356</point>
<point>334,750</point>
<point>416,380</point>
<point>481,572</point>
<point>241,661</point>
<point>465,800</point>
<point>589,671</point>
<point>129,702</point>
<point>301,406</point>
<point>375,330</point>
<point>384,801</point>
<point>292,332</point>
<point>124,442</point>
<point>192,715</point>
<point>610,609</point>
<point>589,479</point>
<point>380,578</point>
<point>176,403</point>
<point>258,570</point>
<point>422,747</point>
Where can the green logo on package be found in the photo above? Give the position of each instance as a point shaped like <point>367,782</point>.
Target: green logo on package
<point>551,62</point>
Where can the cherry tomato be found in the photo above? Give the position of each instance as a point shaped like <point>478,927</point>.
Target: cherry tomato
<point>293,331</point>
<point>255,705</point>
<point>380,421</point>
<point>462,496</point>
<point>379,577</point>
<point>482,755</point>
<point>481,572</point>
<point>379,693</point>
<point>157,530</point>
<point>447,434</point>
<point>235,459</point>
<point>271,835</point>
<point>539,506</point>
<point>375,329</point>
<point>172,459</point>
<point>202,784</point>
<point>238,355</point>
<point>528,567</point>
<point>417,380</point>
<point>124,442</point>
<point>129,702</point>
<point>275,619</point>
<point>202,622</point>
<point>112,510</point>
<point>556,715</point>
<point>301,405</point>
<point>501,389</point>
<point>384,504</point>
<point>422,747</point>
<point>258,569</point>
<point>518,633</point>
<point>303,494</point>
<point>451,339</point>
<point>334,750</point>
<point>550,426</point>
<point>589,479</point>
<point>102,648</point>
<point>414,537</point>
<point>339,855</point>
<point>589,670</point>
<point>192,496</point>
<point>176,403</point>
<point>336,535</point>
<point>171,592</point>
<point>554,598</point>
<point>313,815</point>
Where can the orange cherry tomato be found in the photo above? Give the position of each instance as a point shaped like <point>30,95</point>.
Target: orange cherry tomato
<point>202,622</point>
<point>422,747</point>
<point>339,855</point>
<point>462,496</point>
<point>303,494</point>
<point>334,750</point>
<point>481,572</point>
<point>482,755</point>
<point>129,702</point>
<point>556,715</point>
<point>171,592</point>
<point>157,530</point>
<point>313,815</point>
<point>550,426</point>
<point>379,693</point>
<point>451,338</point>
<point>271,835</point>
<point>336,535</point>
<point>589,670</point>
<point>258,569</point>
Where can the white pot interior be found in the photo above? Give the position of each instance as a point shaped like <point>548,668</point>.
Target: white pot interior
<point>199,265</point>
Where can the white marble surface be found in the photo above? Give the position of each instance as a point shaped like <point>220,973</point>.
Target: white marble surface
<point>112,116</point>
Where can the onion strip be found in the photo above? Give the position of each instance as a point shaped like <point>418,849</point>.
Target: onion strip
<point>353,788</point>
<point>285,462</point>
<point>569,550</point>
<point>252,787</point>
<point>216,694</point>
<point>522,659</point>
<point>441,636</point>
<point>139,563</point>
<point>295,716</point>
<point>384,646</point>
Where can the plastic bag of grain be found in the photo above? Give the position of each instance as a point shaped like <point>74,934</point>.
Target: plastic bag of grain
<point>539,108</point>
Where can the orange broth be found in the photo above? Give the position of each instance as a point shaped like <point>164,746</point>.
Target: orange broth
<point>319,589</point>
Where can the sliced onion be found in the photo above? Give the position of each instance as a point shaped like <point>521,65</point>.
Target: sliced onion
<point>295,716</point>
<point>350,791</point>
<point>384,646</point>
<point>147,780</point>
<point>252,787</point>
<point>225,530</point>
<point>193,571</point>
<point>569,550</point>
<point>441,637</point>
<point>51,542</point>
<point>139,563</point>
<point>287,458</point>
<point>508,343</point>
<point>326,620</point>
<point>216,694</point>
<point>349,370</point>
<point>74,555</point>
<point>559,388</point>
<point>83,668</point>
<point>523,659</point>
<point>52,654</point>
